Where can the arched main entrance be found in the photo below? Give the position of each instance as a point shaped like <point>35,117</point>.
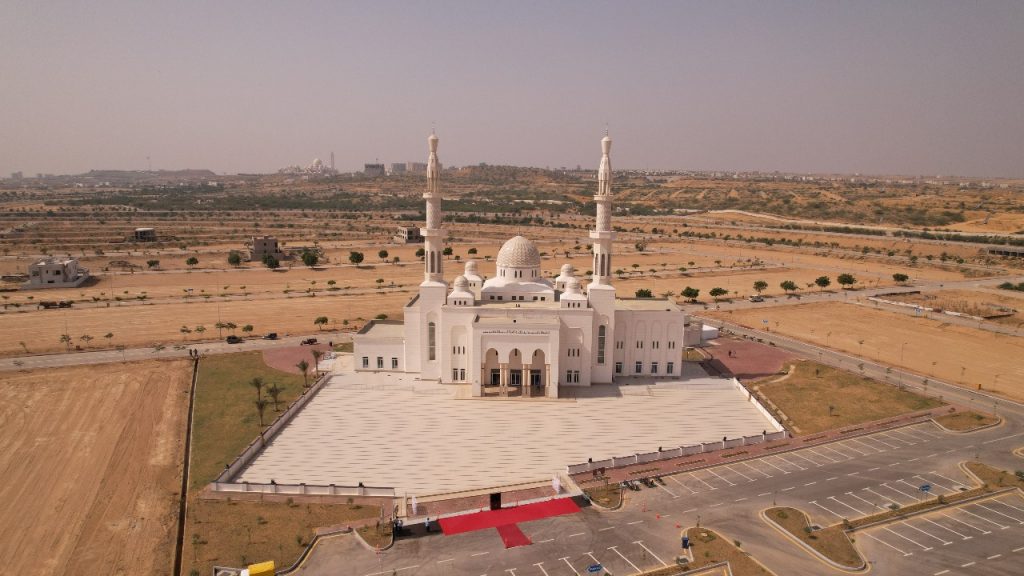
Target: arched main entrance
<point>537,374</point>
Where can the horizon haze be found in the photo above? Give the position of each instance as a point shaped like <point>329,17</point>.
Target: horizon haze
<point>915,88</point>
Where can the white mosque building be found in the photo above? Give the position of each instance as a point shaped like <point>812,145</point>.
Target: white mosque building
<point>518,333</point>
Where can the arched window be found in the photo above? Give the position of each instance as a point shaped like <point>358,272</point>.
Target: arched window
<point>602,332</point>
<point>431,341</point>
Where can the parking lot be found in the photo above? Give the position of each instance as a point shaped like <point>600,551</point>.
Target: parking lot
<point>980,537</point>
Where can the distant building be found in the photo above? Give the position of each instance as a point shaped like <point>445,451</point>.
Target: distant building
<point>55,273</point>
<point>408,235</point>
<point>16,176</point>
<point>398,168</point>
<point>263,246</point>
<point>416,167</point>
<point>144,235</point>
<point>373,170</point>
<point>1011,251</point>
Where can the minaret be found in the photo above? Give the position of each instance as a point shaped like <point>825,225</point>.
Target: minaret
<point>602,234</point>
<point>433,235</point>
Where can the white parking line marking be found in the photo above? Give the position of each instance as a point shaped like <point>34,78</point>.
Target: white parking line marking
<point>872,504</point>
<point>885,484</point>
<point>872,469</point>
<point>616,550</point>
<point>924,430</point>
<point>846,444</point>
<point>662,486</point>
<point>801,456</point>
<point>569,564</point>
<point>576,534</point>
<point>972,526</point>
<point>826,457</point>
<point>922,546</point>
<point>874,449</point>
<point>606,528</point>
<point>884,498</point>
<point>840,516</point>
<point>480,554</point>
<point>811,483</point>
<point>511,571</point>
<point>392,571</point>
<point>755,469</point>
<point>768,462</point>
<point>740,499</point>
<point>749,479</point>
<point>546,541</point>
<point>720,477</point>
<point>634,522</point>
<point>672,478</point>
<point>838,501</point>
<point>702,482</point>
<point>980,505</point>
<point>912,486</point>
<point>889,545</point>
<point>950,530</point>
<point>1003,438</point>
<point>831,449</point>
<point>446,560</point>
<point>794,464</point>
<point>927,481</point>
<point>592,557</point>
<point>901,432</point>
<point>832,478</point>
<point>1007,504</point>
<point>891,434</point>
<point>1018,549</point>
<point>994,556</point>
<point>968,564</point>
<point>929,534</point>
<point>955,484</point>
<point>883,442</point>
<point>763,494</point>
<point>894,464</point>
<point>541,566</point>
<point>788,489</point>
<point>941,572</point>
<point>1001,527</point>
<point>649,551</point>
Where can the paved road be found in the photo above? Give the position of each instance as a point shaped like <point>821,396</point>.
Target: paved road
<point>177,350</point>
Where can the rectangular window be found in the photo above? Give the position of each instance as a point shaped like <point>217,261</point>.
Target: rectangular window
<point>639,367</point>
<point>380,362</point>
<point>394,363</point>
<point>455,374</point>
<point>576,376</point>
<point>366,361</point>
<point>618,367</point>
<point>431,341</point>
<point>462,373</point>
<point>670,367</point>
<point>654,367</point>
<point>568,376</point>
<point>601,332</point>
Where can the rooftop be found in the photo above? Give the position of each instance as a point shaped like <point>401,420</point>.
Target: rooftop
<point>383,329</point>
<point>648,304</point>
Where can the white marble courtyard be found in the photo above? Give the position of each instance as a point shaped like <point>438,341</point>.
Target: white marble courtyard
<point>393,431</point>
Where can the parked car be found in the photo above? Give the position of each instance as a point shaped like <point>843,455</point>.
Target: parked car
<point>234,339</point>
<point>308,342</point>
<point>271,336</point>
<point>757,298</point>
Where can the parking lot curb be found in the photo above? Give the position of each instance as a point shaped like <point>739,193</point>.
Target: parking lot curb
<point>863,569</point>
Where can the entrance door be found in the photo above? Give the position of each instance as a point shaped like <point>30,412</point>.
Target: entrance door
<point>496,501</point>
<point>534,377</point>
<point>495,377</point>
<point>516,378</point>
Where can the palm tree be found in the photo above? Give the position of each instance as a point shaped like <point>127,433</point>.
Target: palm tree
<point>85,338</point>
<point>316,360</point>
<point>257,383</point>
<point>274,391</point>
<point>304,367</point>
<point>66,340</point>
<point>261,406</point>
<point>199,330</point>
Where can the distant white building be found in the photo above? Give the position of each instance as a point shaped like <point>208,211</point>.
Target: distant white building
<point>55,273</point>
<point>144,235</point>
<point>518,333</point>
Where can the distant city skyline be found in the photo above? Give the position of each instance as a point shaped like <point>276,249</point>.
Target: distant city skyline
<point>869,87</point>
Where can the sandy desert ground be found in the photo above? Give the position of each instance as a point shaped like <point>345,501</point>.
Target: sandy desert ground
<point>952,353</point>
<point>91,462</point>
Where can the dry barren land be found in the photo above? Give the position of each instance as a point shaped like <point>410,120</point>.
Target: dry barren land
<point>91,463</point>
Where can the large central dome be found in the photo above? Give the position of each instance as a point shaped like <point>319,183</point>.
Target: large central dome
<point>518,252</point>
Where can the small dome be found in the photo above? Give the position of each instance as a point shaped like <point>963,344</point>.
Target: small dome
<point>518,252</point>
<point>471,267</point>
<point>573,286</point>
<point>461,283</point>
<point>568,270</point>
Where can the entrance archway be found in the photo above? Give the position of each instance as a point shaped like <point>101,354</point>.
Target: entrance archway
<point>490,372</point>
<point>537,373</point>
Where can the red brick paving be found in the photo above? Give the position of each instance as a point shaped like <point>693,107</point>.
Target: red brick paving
<point>750,360</point>
<point>285,358</point>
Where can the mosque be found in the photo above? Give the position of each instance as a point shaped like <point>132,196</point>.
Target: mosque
<point>518,333</point>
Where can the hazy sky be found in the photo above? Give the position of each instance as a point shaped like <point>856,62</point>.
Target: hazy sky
<point>928,87</point>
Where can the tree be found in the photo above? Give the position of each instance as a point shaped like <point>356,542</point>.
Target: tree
<point>192,261</point>
<point>320,322</point>
<point>472,251</point>
<point>257,383</point>
<point>274,391</point>
<point>66,340</point>
<point>235,258</point>
<point>247,328</point>
<point>109,336</point>
<point>716,292</point>
<point>303,366</point>
<point>199,330</point>
<point>85,338</point>
<point>900,277</point>
<point>640,246</point>
<point>789,286</point>
<point>185,331</point>
<point>231,326</point>
<point>220,326</point>
<point>447,251</point>
<point>270,262</point>
<point>822,282</point>
<point>847,280</point>
<point>644,293</point>
<point>355,257</point>
<point>317,354</point>
<point>152,263</point>
<point>690,294</point>
<point>420,253</point>
<point>383,255</point>
<point>309,258</point>
<point>760,286</point>
<point>261,407</point>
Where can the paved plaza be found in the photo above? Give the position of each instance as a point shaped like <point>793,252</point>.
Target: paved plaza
<point>421,438</point>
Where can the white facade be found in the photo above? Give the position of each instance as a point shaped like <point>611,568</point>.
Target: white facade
<point>518,333</point>
<point>55,273</point>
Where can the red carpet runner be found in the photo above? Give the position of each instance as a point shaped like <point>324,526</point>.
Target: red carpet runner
<point>512,536</point>
<point>506,516</point>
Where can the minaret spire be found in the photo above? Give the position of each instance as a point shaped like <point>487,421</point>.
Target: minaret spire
<point>602,233</point>
<point>433,268</point>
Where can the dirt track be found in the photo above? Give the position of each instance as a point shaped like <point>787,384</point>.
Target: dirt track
<point>91,466</point>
